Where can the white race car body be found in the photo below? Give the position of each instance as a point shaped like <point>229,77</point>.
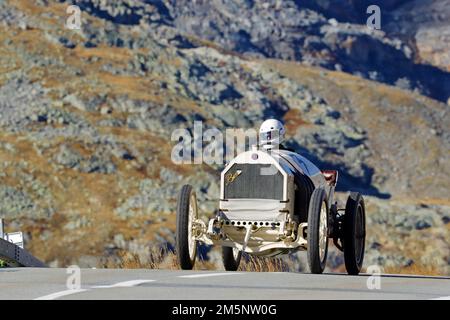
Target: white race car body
<point>264,199</point>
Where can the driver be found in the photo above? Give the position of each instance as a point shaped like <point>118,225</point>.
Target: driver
<point>272,134</point>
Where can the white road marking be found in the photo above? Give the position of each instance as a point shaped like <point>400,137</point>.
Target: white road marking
<point>209,275</point>
<point>125,284</point>
<point>60,294</point>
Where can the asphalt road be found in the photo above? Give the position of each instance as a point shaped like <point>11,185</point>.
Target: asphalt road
<point>50,284</point>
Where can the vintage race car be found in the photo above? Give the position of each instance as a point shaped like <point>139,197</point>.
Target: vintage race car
<point>273,203</point>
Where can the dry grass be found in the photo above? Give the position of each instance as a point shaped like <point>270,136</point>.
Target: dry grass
<point>293,120</point>
<point>415,269</point>
<point>165,258</point>
<point>159,258</point>
<point>263,264</point>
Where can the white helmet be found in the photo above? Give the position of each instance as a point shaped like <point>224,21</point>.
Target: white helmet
<point>271,132</point>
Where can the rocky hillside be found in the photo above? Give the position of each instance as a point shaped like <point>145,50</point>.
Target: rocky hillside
<point>87,116</point>
<point>410,51</point>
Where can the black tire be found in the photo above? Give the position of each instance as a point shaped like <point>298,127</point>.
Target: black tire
<point>354,233</point>
<point>230,260</point>
<point>316,260</point>
<point>186,257</point>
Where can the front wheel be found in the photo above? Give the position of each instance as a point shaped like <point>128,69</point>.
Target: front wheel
<point>317,231</point>
<point>187,213</point>
<point>231,258</point>
<point>354,232</point>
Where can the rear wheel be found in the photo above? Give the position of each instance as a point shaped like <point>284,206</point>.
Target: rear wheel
<point>318,231</point>
<point>354,233</point>
<point>231,258</point>
<point>187,213</point>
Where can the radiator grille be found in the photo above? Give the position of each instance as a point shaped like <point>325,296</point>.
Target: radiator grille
<point>246,181</point>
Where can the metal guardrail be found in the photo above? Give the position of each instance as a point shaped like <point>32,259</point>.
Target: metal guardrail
<point>13,254</point>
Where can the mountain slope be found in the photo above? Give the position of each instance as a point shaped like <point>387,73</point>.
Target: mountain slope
<point>87,117</point>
